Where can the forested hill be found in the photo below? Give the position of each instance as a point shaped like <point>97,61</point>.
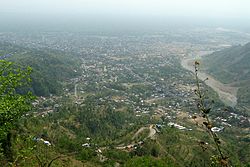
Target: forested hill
<point>50,68</point>
<point>232,66</point>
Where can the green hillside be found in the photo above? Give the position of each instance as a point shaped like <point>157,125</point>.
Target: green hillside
<point>232,66</point>
<point>50,68</point>
<point>70,126</point>
<point>95,119</point>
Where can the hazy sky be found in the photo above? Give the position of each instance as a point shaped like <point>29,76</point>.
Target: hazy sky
<point>122,14</point>
<point>189,8</point>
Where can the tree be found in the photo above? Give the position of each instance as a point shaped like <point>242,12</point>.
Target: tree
<point>15,101</point>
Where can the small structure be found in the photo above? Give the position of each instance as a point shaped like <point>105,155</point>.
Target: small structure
<point>99,151</point>
<point>41,139</point>
<point>171,124</point>
<point>86,145</point>
<point>47,143</point>
<point>216,129</point>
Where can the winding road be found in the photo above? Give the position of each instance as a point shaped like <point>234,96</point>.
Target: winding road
<point>150,135</point>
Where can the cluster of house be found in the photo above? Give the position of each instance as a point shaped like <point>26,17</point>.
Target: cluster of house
<point>50,103</point>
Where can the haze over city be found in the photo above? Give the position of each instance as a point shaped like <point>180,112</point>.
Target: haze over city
<point>118,13</point>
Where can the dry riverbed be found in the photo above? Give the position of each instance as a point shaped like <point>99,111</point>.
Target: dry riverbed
<point>227,94</point>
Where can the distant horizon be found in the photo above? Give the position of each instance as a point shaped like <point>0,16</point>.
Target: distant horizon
<point>14,23</point>
<point>120,15</point>
<point>229,9</point>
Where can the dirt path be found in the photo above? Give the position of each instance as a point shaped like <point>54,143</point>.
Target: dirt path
<point>227,94</point>
<point>151,135</point>
<point>138,132</point>
<point>152,132</point>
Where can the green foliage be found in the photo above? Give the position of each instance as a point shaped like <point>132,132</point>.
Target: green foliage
<point>86,154</point>
<point>232,66</point>
<point>13,104</point>
<point>117,155</point>
<point>50,68</point>
<point>147,161</point>
<point>149,148</point>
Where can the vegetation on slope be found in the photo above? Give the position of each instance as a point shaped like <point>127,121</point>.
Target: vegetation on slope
<point>13,104</point>
<point>79,127</point>
<point>50,68</point>
<point>232,66</point>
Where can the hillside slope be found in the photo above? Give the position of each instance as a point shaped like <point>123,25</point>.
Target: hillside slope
<point>50,68</point>
<point>232,66</point>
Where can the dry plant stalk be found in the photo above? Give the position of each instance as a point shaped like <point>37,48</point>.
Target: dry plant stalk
<point>205,109</point>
